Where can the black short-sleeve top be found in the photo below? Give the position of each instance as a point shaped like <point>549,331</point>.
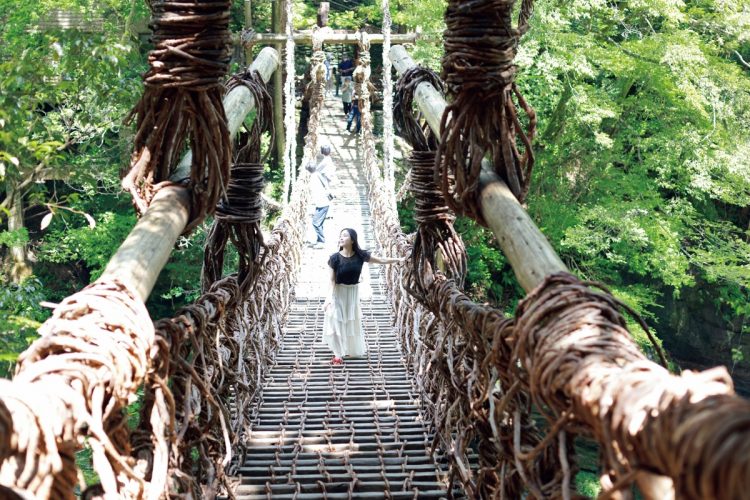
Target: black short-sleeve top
<point>348,269</point>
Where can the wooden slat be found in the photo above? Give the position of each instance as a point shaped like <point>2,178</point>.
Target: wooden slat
<point>322,429</point>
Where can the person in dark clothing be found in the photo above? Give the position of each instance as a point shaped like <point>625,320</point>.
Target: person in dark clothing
<point>342,327</point>
<point>346,67</point>
<point>354,114</point>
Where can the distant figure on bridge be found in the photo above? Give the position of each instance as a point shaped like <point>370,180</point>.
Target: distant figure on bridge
<point>327,63</point>
<point>342,325</point>
<point>354,114</point>
<point>323,177</point>
<point>347,90</point>
<point>346,67</point>
<point>345,71</point>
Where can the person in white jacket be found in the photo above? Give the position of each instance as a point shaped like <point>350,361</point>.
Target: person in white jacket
<point>323,174</point>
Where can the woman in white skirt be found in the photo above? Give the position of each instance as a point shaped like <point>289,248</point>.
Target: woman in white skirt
<point>342,328</point>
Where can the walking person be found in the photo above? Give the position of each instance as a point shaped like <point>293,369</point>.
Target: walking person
<point>342,327</point>
<point>347,91</point>
<point>354,114</point>
<point>323,176</point>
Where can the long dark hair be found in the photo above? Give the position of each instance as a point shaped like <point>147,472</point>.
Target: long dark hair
<point>355,242</point>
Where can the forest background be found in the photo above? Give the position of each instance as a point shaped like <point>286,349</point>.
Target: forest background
<point>642,179</point>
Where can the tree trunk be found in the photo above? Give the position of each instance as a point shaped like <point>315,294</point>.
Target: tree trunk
<point>19,264</point>
<point>556,122</point>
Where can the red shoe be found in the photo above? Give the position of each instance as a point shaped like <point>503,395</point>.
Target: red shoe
<point>337,361</point>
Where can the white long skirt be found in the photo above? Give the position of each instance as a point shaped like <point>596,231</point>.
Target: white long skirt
<point>342,327</point>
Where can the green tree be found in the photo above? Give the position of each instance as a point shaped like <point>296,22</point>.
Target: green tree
<point>69,76</point>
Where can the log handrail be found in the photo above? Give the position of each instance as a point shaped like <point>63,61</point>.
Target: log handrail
<point>146,249</point>
<point>677,436</point>
<point>528,251</point>
<point>305,38</point>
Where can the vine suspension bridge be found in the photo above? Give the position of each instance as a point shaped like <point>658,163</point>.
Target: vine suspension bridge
<point>237,394</point>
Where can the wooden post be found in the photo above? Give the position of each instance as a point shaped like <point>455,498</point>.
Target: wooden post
<point>140,258</point>
<point>278,15</point>
<point>19,264</point>
<point>248,26</point>
<point>322,14</point>
<point>527,250</point>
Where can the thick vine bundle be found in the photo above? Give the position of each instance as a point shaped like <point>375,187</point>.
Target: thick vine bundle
<point>181,106</point>
<point>481,120</point>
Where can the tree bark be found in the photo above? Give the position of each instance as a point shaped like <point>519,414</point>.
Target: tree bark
<point>19,263</point>
<point>323,9</point>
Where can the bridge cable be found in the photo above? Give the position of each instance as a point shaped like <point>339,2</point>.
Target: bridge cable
<point>388,103</point>
<point>290,144</point>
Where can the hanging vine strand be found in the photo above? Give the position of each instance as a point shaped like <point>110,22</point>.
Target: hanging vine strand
<point>212,359</point>
<point>182,100</point>
<point>436,243</point>
<point>290,144</point>
<point>388,162</point>
<point>481,119</point>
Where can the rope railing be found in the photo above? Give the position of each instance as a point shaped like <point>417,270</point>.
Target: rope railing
<point>439,328</point>
<point>388,160</point>
<point>290,143</point>
<point>216,352</point>
<point>94,355</point>
<point>568,358</point>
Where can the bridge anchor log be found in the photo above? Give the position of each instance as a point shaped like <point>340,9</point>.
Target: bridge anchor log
<point>683,436</point>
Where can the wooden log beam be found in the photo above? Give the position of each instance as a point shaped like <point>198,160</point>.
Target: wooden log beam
<point>528,251</point>
<point>145,251</point>
<point>305,38</point>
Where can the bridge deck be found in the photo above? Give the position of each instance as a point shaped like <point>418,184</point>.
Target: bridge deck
<point>346,431</point>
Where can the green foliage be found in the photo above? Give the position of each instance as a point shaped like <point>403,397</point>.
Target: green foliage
<point>489,277</point>
<point>20,316</point>
<point>14,238</point>
<point>587,484</point>
<point>364,13</point>
<point>641,179</point>
<point>71,241</point>
<point>639,159</point>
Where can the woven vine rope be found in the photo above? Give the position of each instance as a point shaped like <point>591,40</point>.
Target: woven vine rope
<point>214,355</point>
<point>181,101</point>
<point>567,359</point>
<point>239,213</point>
<point>481,119</point>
